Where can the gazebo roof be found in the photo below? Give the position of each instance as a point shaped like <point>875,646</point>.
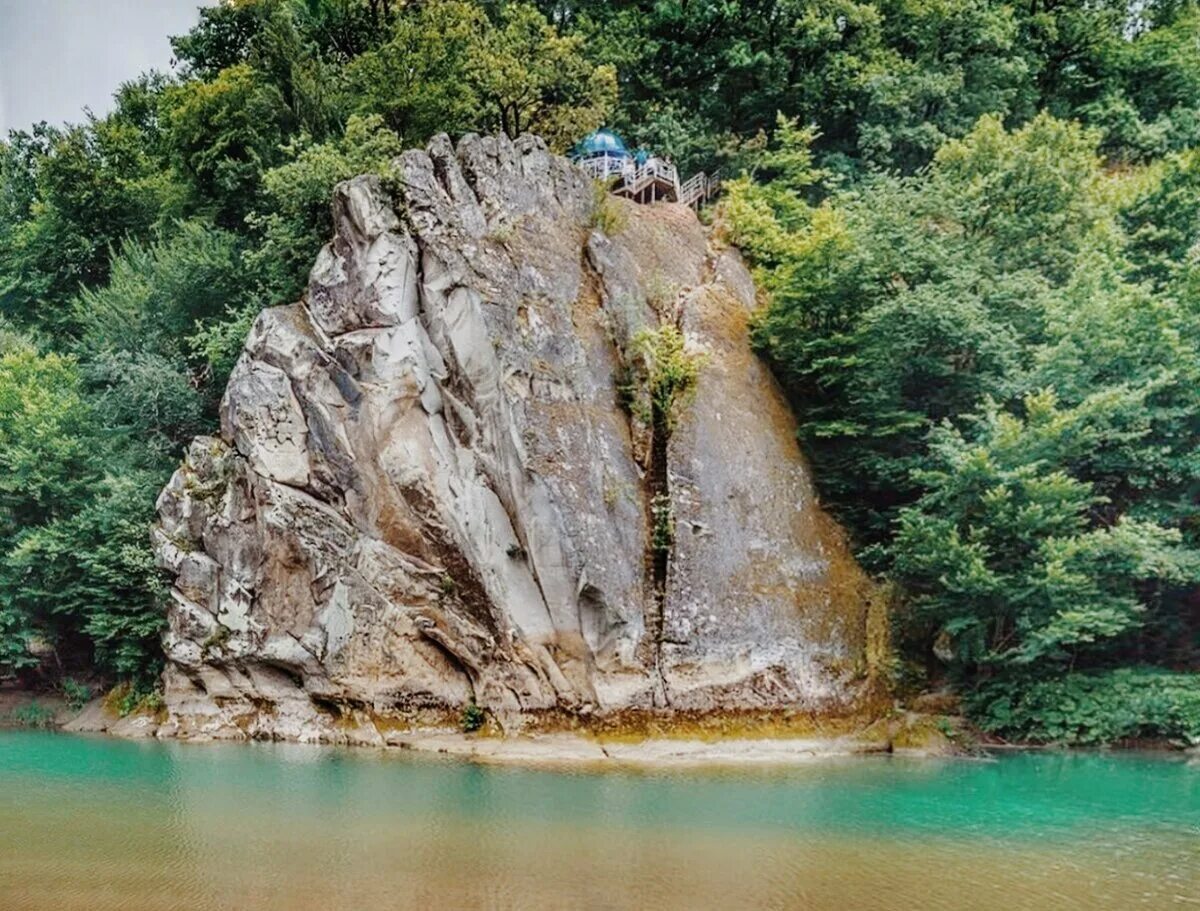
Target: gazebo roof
<point>601,142</point>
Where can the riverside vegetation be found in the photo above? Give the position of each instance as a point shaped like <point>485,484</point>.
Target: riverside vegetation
<point>974,224</point>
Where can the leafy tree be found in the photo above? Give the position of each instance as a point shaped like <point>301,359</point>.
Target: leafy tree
<point>221,39</point>
<point>1028,194</point>
<point>416,79</point>
<point>158,289</point>
<point>88,583</point>
<point>70,195</point>
<point>1164,221</point>
<point>224,134</point>
<point>44,427</point>
<point>531,79</point>
<point>948,63</point>
<point>1002,554</point>
<point>448,66</point>
<point>75,569</point>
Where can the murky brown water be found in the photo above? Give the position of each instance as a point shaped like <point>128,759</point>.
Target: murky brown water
<point>99,824</point>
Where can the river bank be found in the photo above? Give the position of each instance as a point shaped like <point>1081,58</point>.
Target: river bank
<point>667,743</point>
<point>703,742</point>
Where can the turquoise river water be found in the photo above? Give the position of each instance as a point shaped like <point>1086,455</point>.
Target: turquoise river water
<point>101,824</point>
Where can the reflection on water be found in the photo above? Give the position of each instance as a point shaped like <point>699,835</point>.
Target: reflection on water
<point>99,824</point>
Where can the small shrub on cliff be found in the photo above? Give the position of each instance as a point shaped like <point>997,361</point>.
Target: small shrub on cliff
<point>663,531</point>
<point>129,698</point>
<point>472,718</point>
<point>607,215</point>
<point>152,702</point>
<point>668,371</point>
<point>216,640</point>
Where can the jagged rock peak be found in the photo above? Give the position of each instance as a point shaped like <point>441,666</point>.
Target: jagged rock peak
<point>436,482</point>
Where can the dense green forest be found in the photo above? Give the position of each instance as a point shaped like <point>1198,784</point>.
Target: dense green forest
<point>975,226</point>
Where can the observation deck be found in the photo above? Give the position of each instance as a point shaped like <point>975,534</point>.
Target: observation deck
<point>639,175</point>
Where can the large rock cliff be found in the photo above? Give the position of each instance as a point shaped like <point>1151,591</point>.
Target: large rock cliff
<point>434,484</point>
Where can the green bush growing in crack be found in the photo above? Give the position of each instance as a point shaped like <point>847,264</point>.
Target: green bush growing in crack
<point>668,372</point>
<point>662,533</point>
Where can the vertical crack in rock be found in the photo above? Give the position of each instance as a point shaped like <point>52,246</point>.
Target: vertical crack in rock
<point>661,539</point>
<point>661,516</point>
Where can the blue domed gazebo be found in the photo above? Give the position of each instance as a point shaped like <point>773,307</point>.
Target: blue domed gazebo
<point>603,155</point>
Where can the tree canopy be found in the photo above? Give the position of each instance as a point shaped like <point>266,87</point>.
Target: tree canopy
<point>994,364</point>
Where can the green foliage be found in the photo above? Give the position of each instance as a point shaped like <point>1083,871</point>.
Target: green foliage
<point>994,366</point>
<point>16,636</point>
<point>32,715</point>
<point>152,703</point>
<point>666,370</point>
<point>131,697</point>
<point>607,215</point>
<point>92,574</point>
<point>530,78</point>
<point>1027,195</point>
<point>999,552</point>
<point>662,526</point>
<point>416,79</point>
<point>888,82</point>
<point>219,343</point>
<point>77,694</point>
<point>451,66</point>
<point>472,719</point>
<point>1164,222</point>
<point>75,569</point>
<point>157,290</point>
<point>1085,709</point>
<point>44,429</point>
<point>224,135</point>
<point>69,195</point>
<point>296,218</point>
<point>223,38</point>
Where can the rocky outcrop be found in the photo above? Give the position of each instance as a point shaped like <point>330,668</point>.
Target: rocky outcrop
<point>433,485</point>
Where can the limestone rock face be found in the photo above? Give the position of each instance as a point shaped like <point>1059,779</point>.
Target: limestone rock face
<point>430,487</point>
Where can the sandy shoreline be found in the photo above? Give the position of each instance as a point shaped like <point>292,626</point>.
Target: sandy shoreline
<point>561,749</point>
<point>566,749</point>
<point>655,752</point>
<point>573,750</point>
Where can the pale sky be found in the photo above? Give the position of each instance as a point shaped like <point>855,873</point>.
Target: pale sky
<point>59,56</point>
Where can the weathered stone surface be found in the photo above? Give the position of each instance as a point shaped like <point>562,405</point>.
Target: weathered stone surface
<point>426,491</point>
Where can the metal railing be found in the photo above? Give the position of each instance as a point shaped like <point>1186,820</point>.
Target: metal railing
<point>606,167</point>
<point>631,179</point>
<point>700,188</point>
